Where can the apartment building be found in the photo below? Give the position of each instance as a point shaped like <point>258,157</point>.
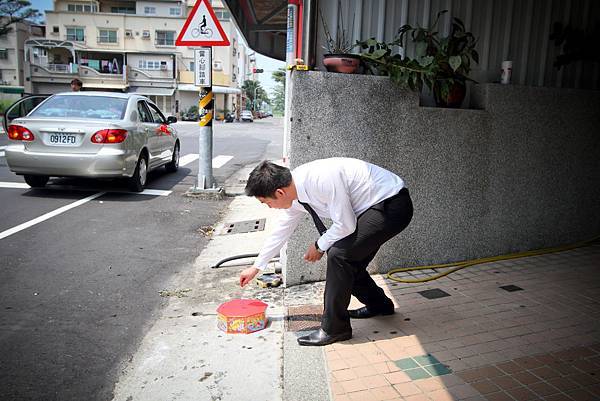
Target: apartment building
<point>12,45</point>
<point>126,46</point>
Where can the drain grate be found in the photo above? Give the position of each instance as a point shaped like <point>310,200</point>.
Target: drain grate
<point>434,293</point>
<point>304,317</point>
<point>244,226</point>
<point>511,288</point>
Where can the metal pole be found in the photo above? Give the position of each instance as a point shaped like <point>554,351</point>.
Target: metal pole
<point>205,139</point>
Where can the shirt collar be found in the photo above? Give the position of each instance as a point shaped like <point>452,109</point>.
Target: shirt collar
<point>300,189</point>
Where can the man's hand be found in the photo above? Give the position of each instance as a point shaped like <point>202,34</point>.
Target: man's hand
<point>247,275</point>
<point>312,255</point>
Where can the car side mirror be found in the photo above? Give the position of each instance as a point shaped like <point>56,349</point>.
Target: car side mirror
<point>171,119</point>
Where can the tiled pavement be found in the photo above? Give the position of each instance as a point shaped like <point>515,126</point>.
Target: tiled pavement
<point>539,341</point>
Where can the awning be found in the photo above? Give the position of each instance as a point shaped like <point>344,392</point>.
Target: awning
<point>151,91</point>
<point>215,88</point>
<point>11,89</point>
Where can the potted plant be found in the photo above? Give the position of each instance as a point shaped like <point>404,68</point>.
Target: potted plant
<point>338,57</point>
<point>442,63</point>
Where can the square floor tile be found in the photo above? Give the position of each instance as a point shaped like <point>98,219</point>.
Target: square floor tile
<point>416,374</point>
<point>437,369</point>
<point>406,363</point>
<point>426,360</point>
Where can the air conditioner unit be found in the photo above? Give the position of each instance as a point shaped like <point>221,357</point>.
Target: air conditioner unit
<point>146,35</point>
<point>163,66</point>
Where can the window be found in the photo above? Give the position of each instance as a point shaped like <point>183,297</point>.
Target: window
<point>192,66</point>
<point>76,34</point>
<point>103,107</point>
<point>55,29</point>
<point>3,54</point>
<point>87,8</point>
<point>122,10</point>
<point>165,38</point>
<point>144,113</point>
<point>156,114</point>
<point>107,36</point>
<point>222,15</point>
<point>78,8</point>
<point>149,10</point>
<point>174,11</point>
<point>149,64</point>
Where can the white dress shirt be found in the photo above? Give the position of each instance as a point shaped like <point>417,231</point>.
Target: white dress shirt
<point>337,188</point>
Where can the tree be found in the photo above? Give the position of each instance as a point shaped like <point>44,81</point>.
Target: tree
<point>12,11</point>
<point>279,91</point>
<point>250,87</point>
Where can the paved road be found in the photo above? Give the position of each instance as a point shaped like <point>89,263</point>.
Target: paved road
<point>79,289</point>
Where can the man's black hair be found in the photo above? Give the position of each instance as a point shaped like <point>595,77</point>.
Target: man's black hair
<point>77,82</point>
<point>266,178</point>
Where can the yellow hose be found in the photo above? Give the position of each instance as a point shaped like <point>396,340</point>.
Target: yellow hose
<point>461,265</point>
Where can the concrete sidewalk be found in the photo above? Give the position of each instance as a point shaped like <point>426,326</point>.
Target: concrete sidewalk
<point>524,329</point>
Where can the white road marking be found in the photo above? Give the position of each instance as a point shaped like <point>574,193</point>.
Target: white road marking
<point>154,192</point>
<point>158,192</point>
<point>2,147</point>
<point>217,162</point>
<point>220,161</point>
<point>14,185</point>
<point>1,154</point>
<point>47,216</point>
<point>187,159</point>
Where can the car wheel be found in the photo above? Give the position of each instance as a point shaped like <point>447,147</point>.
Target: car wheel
<point>138,180</point>
<point>36,181</point>
<point>173,165</point>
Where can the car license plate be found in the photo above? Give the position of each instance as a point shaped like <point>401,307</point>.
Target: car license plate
<point>62,139</point>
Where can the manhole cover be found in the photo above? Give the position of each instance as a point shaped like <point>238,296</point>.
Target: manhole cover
<point>511,288</point>
<point>434,293</point>
<point>244,226</point>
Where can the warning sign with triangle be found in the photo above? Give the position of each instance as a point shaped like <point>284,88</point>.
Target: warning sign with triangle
<point>202,28</point>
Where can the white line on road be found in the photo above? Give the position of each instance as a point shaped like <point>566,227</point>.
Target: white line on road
<point>155,192</point>
<point>158,192</point>
<point>1,154</point>
<point>47,216</point>
<point>2,147</point>
<point>14,185</point>
<point>217,162</point>
<point>220,161</point>
<point>187,159</point>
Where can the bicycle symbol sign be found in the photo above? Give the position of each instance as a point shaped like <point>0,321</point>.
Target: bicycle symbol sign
<point>202,28</point>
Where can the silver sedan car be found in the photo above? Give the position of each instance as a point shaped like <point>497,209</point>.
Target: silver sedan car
<point>91,134</point>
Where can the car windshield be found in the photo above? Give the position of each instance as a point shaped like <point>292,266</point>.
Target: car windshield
<point>102,107</point>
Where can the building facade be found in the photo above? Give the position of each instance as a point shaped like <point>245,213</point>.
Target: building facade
<point>126,46</point>
<point>12,69</point>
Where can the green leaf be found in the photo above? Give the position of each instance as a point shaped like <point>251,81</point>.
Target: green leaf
<point>420,49</point>
<point>425,61</point>
<point>379,53</point>
<point>454,62</point>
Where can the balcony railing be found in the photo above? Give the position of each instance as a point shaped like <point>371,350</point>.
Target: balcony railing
<point>63,68</point>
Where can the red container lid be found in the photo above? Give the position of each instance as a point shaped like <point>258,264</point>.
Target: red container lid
<point>242,308</point>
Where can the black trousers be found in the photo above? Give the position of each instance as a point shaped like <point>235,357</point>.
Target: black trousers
<point>348,258</point>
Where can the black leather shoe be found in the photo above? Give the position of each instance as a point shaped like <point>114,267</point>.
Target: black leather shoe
<point>365,313</point>
<point>319,337</point>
